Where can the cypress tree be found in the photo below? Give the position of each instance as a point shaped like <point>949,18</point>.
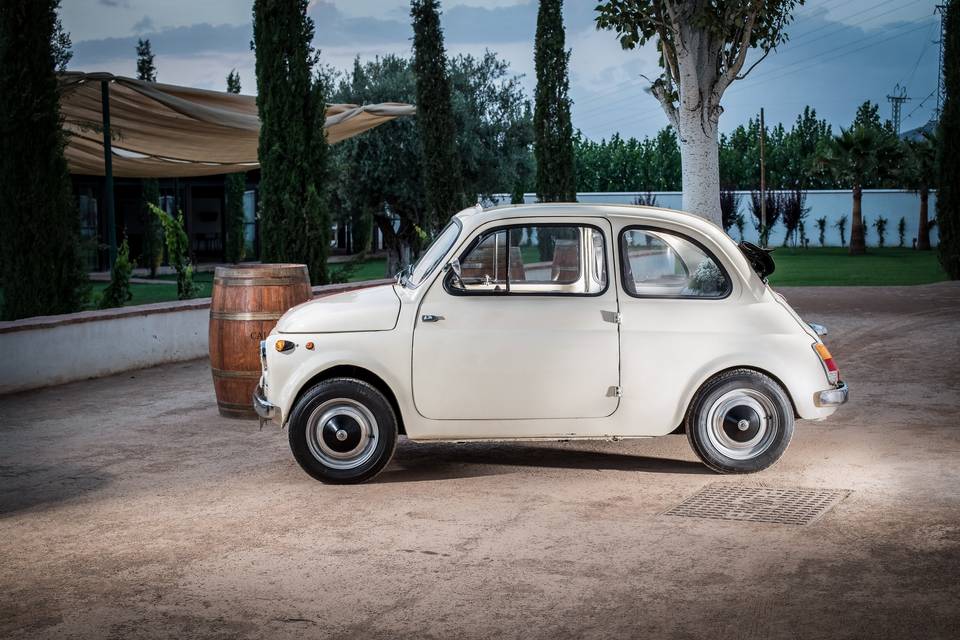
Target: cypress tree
<point>294,212</point>
<point>948,195</point>
<point>443,182</point>
<point>150,187</point>
<point>41,266</point>
<point>553,130</point>
<point>234,186</point>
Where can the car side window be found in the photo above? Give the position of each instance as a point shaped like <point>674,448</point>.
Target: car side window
<point>538,259</point>
<point>662,264</point>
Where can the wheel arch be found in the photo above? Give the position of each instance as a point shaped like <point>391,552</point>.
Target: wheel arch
<point>360,373</point>
<point>711,376</point>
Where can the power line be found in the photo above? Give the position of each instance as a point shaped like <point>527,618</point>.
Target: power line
<point>605,108</point>
<point>646,114</point>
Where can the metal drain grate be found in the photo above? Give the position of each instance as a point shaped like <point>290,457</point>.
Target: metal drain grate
<point>759,504</point>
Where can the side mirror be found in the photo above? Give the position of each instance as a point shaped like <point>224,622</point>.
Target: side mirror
<point>454,267</point>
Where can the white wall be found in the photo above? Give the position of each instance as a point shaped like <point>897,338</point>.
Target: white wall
<point>50,350</point>
<point>892,204</point>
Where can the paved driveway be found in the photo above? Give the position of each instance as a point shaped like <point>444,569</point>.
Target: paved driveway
<point>129,509</point>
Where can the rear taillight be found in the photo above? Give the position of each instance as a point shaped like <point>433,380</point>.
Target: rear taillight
<point>833,372</point>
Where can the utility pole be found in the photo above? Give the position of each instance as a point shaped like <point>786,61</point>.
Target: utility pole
<point>763,184</point>
<point>942,10</point>
<point>896,101</point>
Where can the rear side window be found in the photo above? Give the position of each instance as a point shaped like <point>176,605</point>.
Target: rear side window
<point>662,264</point>
<point>539,259</point>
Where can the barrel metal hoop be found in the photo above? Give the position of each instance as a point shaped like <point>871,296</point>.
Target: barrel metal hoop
<point>245,315</point>
<point>230,281</point>
<point>227,373</point>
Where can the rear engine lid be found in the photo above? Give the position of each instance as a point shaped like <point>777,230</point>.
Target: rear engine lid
<point>760,259</point>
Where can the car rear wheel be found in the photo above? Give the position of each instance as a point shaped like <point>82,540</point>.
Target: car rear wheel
<point>342,431</point>
<point>740,421</point>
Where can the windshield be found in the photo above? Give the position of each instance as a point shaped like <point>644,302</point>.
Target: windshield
<point>434,253</point>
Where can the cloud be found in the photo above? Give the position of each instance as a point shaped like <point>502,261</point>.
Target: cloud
<point>144,24</point>
<point>829,63</point>
<point>115,3</point>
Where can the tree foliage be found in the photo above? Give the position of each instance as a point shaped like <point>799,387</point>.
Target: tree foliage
<point>118,292</point>
<point>442,180</point>
<point>919,174</point>
<point>146,69</point>
<point>379,177</point>
<point>150,187</point>
<point>41,267</point>
<point>234,186</point>
<point>178,249</point>
<point>553,130</point>
<point>294,171</point>
<point>703,48</point>
<point>857,156</point>
<point>948,147</point>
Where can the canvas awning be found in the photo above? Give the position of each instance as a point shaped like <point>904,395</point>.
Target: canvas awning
<point>167,131</point>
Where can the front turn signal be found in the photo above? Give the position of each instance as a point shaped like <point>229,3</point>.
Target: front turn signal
<point>284,345</point>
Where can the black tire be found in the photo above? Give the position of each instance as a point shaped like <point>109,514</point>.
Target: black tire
<point>354,443</point>
<point>740,421</point>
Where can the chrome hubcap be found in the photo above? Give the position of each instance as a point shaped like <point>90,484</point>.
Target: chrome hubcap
<point>742,424</point>
<point>342,433</point>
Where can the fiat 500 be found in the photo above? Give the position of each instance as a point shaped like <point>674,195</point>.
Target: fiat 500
<point>552,322</point>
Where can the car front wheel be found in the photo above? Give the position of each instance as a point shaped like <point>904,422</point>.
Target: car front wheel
<point>740,421</point>
<point>342,431</point>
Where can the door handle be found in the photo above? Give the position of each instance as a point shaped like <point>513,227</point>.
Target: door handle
<point>428,317</point>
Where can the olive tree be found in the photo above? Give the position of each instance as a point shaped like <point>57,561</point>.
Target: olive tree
<point>703,49</point>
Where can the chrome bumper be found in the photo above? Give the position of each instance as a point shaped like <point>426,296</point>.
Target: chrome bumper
<point>834,397</point>
<point>262,406</point>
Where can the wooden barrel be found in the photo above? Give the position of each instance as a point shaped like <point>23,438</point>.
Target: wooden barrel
<point>246,304</point>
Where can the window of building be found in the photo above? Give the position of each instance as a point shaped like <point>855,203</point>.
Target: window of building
<point>662,264</point>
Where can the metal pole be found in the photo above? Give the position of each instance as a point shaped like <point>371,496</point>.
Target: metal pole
<point>108,172</point>
<point>763,184</point>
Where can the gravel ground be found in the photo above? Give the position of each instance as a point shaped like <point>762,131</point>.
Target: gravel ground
<point>129,509</point>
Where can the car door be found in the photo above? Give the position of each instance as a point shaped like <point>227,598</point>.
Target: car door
<point>528,330</point>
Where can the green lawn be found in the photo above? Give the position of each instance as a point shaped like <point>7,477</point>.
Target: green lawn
<point>832,266</point>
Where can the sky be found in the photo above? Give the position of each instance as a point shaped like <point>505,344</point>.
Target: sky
<point>840,53</point>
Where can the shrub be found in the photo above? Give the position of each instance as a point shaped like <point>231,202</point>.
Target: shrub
<point>178,246</point>
<point>841,224</point>
<point>729,207</point>
<point>880,224</point>
<point>740,222</point>
<point>902,230</point>
<point>822,230</point>
<point>118,292</point>
<point>649,200</point>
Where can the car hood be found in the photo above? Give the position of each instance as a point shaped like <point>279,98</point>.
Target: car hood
<point>368,309</point>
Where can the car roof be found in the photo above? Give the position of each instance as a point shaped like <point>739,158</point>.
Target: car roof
<point>478,215</point>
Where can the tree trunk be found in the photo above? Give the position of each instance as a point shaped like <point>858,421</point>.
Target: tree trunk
<point>923,229</point>
<point>696,119</point>
<point>858,244</point>
<point>700,166</point>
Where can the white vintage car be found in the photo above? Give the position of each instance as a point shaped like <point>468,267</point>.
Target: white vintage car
<point>555,322</point>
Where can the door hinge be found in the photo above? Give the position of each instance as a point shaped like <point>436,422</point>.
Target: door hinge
<point>618,318</point>
<point>618,391</point>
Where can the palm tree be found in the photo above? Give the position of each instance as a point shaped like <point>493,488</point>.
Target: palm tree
<point>919,174</point>
<point>859,155</point>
